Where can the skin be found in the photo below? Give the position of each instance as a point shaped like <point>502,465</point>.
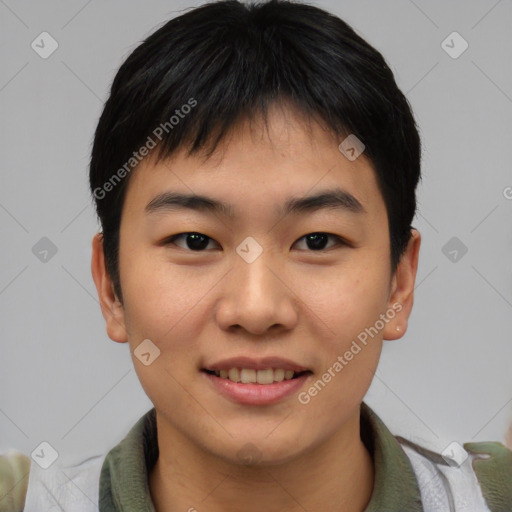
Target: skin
<point>293,301</point>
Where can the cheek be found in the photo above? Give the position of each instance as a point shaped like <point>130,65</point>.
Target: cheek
<point>157,291</point>
<point>343,301</point>
<point>164,305</point>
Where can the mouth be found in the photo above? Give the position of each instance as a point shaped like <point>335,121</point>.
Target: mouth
<point>256,382</point>
<point>264,377</point>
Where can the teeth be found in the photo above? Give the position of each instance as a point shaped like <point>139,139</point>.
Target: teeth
<point>250,376</point>
<point>234,375</point>
<point>279,375</point>
<point>265,376</point>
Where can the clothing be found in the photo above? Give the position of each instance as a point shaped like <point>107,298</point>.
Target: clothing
<point>14,471</point>
<point>408,477</point>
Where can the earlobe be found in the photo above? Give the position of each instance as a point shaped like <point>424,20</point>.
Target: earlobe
<point>111,308</point>
<point>402,289</point>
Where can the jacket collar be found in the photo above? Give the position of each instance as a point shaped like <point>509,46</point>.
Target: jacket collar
<point>395,486</point>
<point>124,483</point>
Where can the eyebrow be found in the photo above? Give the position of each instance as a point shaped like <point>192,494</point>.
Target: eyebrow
<point>337,199</point>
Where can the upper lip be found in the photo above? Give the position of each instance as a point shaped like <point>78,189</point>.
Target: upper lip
<point>255,364</point>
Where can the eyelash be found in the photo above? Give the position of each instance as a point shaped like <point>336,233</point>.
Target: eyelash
<point>339,240</point>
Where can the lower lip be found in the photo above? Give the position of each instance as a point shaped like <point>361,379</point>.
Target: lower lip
<point>257,394</point>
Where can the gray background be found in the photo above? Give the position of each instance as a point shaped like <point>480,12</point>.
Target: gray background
<point>62,380</point>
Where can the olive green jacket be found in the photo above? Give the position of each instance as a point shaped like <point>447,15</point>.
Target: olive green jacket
<point>408,477</point>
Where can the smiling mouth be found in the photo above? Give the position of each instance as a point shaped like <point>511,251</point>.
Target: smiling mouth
<point>252,376</point>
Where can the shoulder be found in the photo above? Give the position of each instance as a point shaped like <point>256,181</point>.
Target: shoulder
<point>64,487</point>
<point>492,463</point>
<point>470,477</point>
<point>14,470</point>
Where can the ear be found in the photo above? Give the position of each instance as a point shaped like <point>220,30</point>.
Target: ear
<point>111,307</point>
<point>402,289</point>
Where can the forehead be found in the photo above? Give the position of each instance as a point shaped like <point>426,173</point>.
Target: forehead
<point>283,166</point>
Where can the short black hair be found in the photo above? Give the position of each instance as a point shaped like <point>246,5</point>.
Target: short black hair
<point>190,81</point>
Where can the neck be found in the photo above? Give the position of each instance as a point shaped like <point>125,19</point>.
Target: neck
<point>186,478</point>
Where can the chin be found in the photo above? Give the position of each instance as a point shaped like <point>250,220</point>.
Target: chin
<point>267,450</point>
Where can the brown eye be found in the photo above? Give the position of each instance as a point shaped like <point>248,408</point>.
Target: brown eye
<point>318,241</point>
<point>196,242</point>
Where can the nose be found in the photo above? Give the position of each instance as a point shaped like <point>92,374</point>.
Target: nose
<point>257,297</point>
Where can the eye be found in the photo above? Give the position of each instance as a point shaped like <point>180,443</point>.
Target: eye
<point>317,241</point>
<point>198,242</point>
<point>193,240</point>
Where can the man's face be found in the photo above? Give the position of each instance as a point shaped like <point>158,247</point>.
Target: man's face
<point>260,286</point>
